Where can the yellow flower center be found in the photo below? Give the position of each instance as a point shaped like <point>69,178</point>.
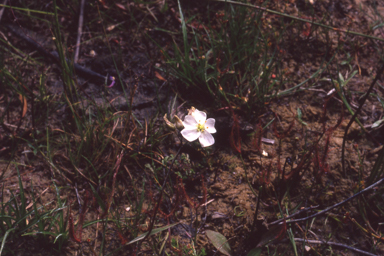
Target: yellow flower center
<point>200,127</point>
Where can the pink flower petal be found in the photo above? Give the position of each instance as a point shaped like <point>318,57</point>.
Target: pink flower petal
<point>210,125</point>
<point>190,122</point>
<point>206,139</point>
<point>200,116</point>
<point>191,135</point>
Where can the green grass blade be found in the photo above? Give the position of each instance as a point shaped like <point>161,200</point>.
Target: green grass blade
<point>378,168</point>
<point>4,239</point>
<point>154,231</point>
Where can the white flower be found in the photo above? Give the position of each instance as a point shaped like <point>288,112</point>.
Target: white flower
<point>197,126</point>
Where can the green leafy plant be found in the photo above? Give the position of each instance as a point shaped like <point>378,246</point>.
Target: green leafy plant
<point>40,222</point>
<point>227,64</point>
<point>219,241</point>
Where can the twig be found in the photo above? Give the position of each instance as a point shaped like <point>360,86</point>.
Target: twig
<point>79,31</point>
<point>2,10</point>
<point>33,202</point>
<point>333,206</point>
<point>14,126</point>
<point>54,56</point>
<point>85,177</point>
<point>380,70</point>
<point>294,214</point>
<point>117,167</point>
<point>97,231</point>
<point>336,244</point>
<point>130,148</point>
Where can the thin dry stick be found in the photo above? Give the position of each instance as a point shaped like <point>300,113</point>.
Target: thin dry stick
<point>117,166</point>
<point>294,214</point>
<point>85,177</point>
<point>130,148</point>
<point>97,232</point>
<point>79,31</point>
<point>380,70</point>
<point>2,10</point>
<point>42,193</point>
<point>333,206</point>
<point>336,244</point>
